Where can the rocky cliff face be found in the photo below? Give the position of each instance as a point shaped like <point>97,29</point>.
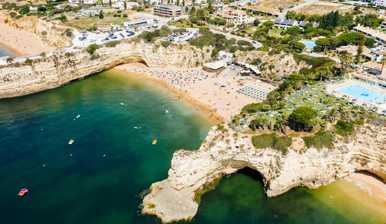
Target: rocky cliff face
<point>23,76</point>
<point>50,32</point>
<point>226,151</point>
<point>273,67</point>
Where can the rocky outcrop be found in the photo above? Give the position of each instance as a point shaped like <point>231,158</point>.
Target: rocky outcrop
<point>225,151</point>
<point>51,32</point>
<point>273,67</point>
<point>23,76</point>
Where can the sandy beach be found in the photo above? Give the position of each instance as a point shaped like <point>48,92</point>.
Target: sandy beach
<point>216,95</point>
<point>19,41</point>
<point>216,92</point>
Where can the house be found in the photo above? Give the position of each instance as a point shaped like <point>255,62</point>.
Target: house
<point>215,66</point>
<point>141,23</point>
<point>92,11</point>
<point>287,23</point>
<point>373,68</point>
<point>235,16</point>
<point>185,36</point>
<point>379,3</point>
<point>167,10</point>
<point>225,56</point>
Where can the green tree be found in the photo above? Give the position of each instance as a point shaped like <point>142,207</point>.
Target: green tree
<point>91,49</point>
<point>302,119</point>
<point>24,10</point>
<point>101,16</point>
<point>370,20</point>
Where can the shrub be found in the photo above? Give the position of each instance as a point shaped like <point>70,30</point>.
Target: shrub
<point>165,43</point>
<point>24,10</point>
<point>302,119</point>
<point>68,33</point>
<point>92,48</point>
<point>344,128</point>
<point>272,140</point>
<point>321,139</point>
<point>255,107</point>
<point>112,43</point>
<point>28,61</point>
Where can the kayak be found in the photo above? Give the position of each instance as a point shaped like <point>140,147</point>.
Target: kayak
<point>22,192</point>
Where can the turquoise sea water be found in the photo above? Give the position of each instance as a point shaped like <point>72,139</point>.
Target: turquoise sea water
<point>363,93</point>
<point>101,176</point>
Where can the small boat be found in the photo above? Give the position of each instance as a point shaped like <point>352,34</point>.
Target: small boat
<point>71,141</point>
<point>154,142</point>
<point>22,192</point>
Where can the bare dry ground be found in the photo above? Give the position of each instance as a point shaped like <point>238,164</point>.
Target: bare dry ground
<point>321,8</point>
<point>274,6</point>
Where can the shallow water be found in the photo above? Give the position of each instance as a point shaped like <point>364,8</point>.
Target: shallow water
<point>4,52</point>
<point>99,178</point>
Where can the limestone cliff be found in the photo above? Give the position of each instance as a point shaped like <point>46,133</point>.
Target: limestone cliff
<point>50,32</point>
<point>273,67</point>
<point>22,76</point>
<point>225,151</point>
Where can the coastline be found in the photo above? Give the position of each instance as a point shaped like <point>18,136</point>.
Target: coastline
<point>14,51</point>
<point>22,47</point>
<point>358,186</point>
<point>20,41</point>
<point>204,109</point>
<point>218,93</point>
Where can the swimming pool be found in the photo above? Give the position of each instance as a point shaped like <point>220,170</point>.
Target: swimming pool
<point>310,44</point>
<point>363,93</point>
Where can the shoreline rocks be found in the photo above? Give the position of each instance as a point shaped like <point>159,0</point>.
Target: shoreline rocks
<point>225,152</point>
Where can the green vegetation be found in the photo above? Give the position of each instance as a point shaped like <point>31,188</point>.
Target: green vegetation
<point>152,36</point>
<point>255,107</point>
<point>284,40</point>
<point>24,10</point>
<point>272,140</point>
<point>165,43</point>
<point>347,38</point>
<point>91,49</point>
<point>313,61</point>
<point>344,128</point>
<point>321,139</point>
<point>112,43</point>
<point>370,20</point>
<point>302,119</point>
<point>219,42</point>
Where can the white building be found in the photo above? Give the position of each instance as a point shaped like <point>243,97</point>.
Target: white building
<point>85,2</point>
<point>381,3</point>
<point>167,10</point>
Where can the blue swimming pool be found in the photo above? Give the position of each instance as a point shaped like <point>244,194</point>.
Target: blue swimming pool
<point>363,93</point>
<point>310,44</point>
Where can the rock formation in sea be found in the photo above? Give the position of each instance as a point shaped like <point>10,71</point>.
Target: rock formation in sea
<point>226,151</point>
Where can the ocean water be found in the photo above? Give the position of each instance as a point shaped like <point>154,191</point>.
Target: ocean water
<point>101,177</point>
<point>4,52</point>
